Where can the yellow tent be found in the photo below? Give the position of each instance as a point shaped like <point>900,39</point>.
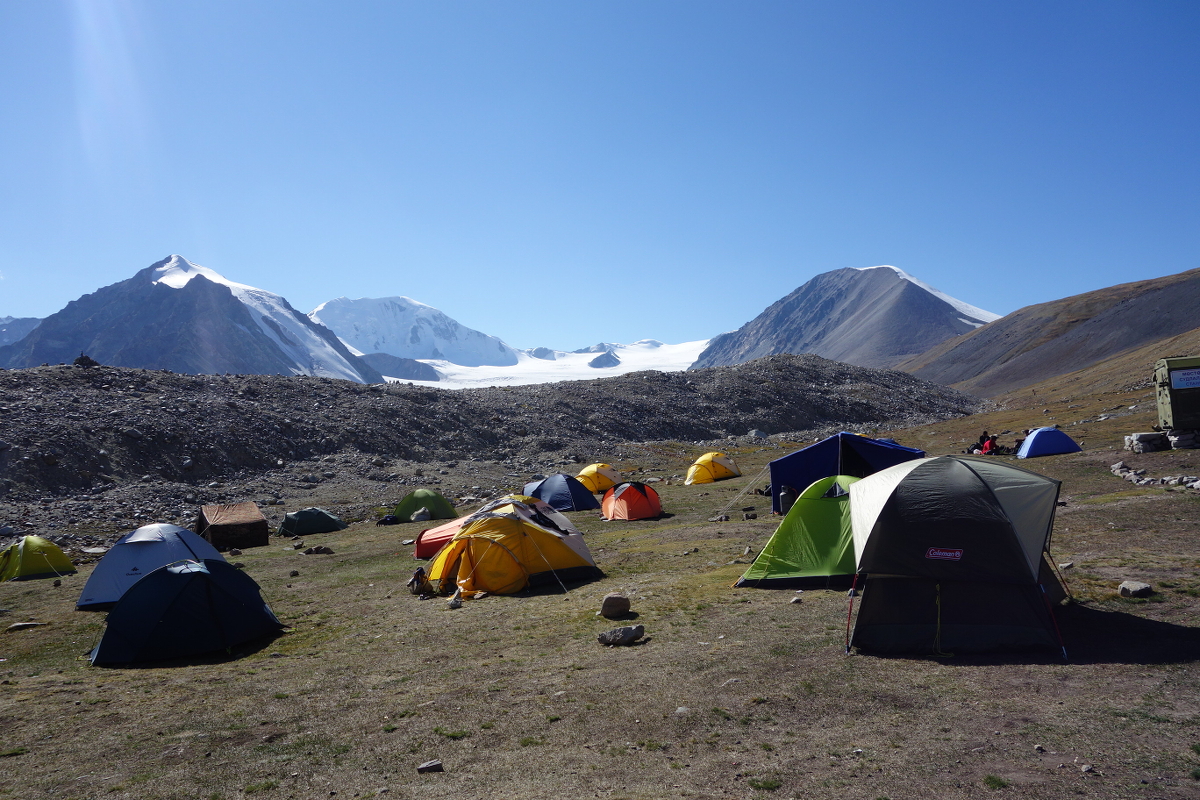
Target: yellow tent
<point>598,477</point>
<point>712,467</point>
<point>33,557</point>
<point>504,553</point>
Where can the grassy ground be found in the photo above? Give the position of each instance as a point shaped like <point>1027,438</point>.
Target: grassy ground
<point>735,692</point>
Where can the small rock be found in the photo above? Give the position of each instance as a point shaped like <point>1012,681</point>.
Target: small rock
<point>683,710</point>
<point>431,766</point>
<point>20,626</point>
<point>795,600</point>
<point>407,541</point>
<point>719,518</point>
<point>625,635</point>
<point>614,605</point>
<point>235,552</point>
<point>294,573</point>
<point>1135,589</point>
<point>1086,768</point>
<point>1038,748</point>
<point>238,565</point>
<point>1066,565</point>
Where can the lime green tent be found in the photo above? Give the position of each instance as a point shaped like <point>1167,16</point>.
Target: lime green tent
<point>813,545</point>
<point>439,507</point>
<point>34,557</point>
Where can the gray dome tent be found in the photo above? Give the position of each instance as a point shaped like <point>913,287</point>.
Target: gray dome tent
<point>951,550</point>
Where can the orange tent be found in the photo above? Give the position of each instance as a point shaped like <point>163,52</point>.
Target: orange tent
<point>631,501</point>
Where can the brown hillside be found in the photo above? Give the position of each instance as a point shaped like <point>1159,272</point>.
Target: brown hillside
<point>1046,340</point>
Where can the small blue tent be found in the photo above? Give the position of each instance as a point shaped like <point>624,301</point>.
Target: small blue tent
<point>562,493</point>
<point>185,609</point>
<point>1047,442</point>
<point>840,454</point>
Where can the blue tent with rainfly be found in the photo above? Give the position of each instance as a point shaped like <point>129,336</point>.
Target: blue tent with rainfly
<point>1047,442</point>
<point>185,609</point>
<point>562,493</point>
<point>841,454</point>
<point>136,555</point>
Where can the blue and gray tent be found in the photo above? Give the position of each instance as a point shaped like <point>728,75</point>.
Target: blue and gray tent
<point>562,493</point>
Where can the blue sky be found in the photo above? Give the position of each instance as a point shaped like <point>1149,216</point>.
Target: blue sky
<point>561,173</point>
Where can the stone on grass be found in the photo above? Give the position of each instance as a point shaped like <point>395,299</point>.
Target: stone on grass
<point>1135,589</point>
<point>431,766</point>
<point>796,600</point>
<point>614,605</point>
<point>625,635</point>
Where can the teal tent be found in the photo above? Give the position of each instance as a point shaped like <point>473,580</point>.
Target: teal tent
<point>813,545</point>
<point>310,520</point>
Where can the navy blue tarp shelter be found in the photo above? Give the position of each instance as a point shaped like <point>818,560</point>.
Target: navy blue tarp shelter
<point>840,454</point>
<point>1047,442</point>
<point>185,609</point>
<point>562,493</point>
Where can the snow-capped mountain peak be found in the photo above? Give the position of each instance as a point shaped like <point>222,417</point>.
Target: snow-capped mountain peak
<point>406,328</point>
<point>977,316</point>
<point>312,348</point>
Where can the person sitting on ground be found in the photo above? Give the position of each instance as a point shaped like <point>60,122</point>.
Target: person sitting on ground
<point>990,447</point>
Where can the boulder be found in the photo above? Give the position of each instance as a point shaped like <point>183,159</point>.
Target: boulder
<point>614,605</point>
<point>1135,589</point>
<point>625,635</point>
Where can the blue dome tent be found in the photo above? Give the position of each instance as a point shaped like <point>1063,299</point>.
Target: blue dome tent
<point>185,609</point>
<point>562,493</point>
<point>1047,442</point>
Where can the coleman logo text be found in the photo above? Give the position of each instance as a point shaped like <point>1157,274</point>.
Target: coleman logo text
<point>944,553</point>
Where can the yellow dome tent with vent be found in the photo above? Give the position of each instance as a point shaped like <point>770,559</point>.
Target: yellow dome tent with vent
<point>505,553</point>
<point>712,467</point>
<point>598,477</point>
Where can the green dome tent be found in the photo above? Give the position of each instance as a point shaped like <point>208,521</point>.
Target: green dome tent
<point>813,545</point>
<point>438,506</point>
<point>33,557</point>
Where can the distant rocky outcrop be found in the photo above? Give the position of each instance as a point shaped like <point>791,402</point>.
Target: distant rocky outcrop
<point>14,329</point>
<point>1040,342</point>
<point>405,368</point>
<point>874,317</point>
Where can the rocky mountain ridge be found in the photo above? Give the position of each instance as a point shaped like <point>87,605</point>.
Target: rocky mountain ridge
<point>73,429</point>
<point>1043,341</point>
<point>179,316</point>
<point>873,317</point>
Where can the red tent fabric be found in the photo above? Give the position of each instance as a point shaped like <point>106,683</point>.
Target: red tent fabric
<point>631,501</point>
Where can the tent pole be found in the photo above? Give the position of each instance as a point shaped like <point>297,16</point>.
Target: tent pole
<point>850,610</point>
<point>1061,644</point>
